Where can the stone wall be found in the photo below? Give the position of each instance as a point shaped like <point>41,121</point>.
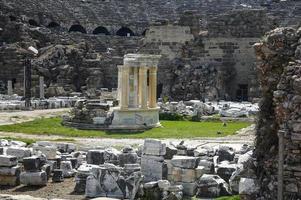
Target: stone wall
<point>205,55</point>
<point>279,70</point>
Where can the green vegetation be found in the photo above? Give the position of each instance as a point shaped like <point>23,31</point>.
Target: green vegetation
<point>170,129</point>
<point>229,198</point>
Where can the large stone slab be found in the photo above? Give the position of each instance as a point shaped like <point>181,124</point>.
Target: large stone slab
<point>34,178</point>
<point>153,168</point>
<point>19,152</point>
<point>154,147</point>
<point>10,171</point>
<point>185,162</point>
<point>8,180</point>
<point>48,151</point>
<point>8,161</point>
<point>95,157</point>
<point>32,164</point>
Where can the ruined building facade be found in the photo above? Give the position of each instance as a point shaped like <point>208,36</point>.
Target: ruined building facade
<point>206,46</point>
<point>278,143</point>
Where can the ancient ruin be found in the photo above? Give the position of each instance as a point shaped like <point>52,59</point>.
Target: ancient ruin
<point>108,78</point>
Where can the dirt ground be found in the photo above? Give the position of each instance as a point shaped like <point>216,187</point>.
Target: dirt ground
<point>63,190</point>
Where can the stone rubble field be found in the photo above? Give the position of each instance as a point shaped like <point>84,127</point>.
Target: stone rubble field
<point>199,108</point>
<point>154,170</point>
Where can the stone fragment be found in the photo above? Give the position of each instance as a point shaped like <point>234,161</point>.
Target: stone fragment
<point>225,153</point>
<point>248,186</point>
<point>58,175</point>
<point>163,184</point>
<point>19,152</point>
<point>225,170</point>
<point>153,168</point>
<point>212,186</point>
<point>32,164</point>
<point>68,171</point>
<point>8,180</point>
<point>185,162</point>
<point>154,147</point>
<point>8,161</point>
<point>127,158</point>
<point>189,189</point>
<point>95,157</point>
<point>170,152</point>
<point>10,171</point>
<point>48,151</point>
<point>33,178</point>
<point>46,168</point>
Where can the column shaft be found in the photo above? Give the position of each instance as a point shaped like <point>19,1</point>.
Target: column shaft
<point>10,88</point>
<point>42,89</point>
<point>143,87</point>
<point>119,82</point>
<point>136,87</point>
<point>153,87</point>
<point>125,88</point>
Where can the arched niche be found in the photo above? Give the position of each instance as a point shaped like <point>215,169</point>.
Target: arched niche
<point>101,30</point>
<point>77,28</point>
<point>124,31</point>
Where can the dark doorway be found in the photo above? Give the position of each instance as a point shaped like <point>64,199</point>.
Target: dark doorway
<point>101,30</point>
<point>242,92</point>
<point>124,31</point>
<point>159,90</point>
<point>77,28</point>
<point>53,25</point>
<point>33,22</point>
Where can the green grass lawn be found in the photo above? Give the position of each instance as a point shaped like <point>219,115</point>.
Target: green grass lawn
<point>170,129</point>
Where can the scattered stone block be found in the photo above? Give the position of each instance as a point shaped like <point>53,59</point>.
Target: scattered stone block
<point>185,162</point>
<point>68,171</point>
<point>153,168</point>
<point>48,151</point>
<point>10,171</point>
<point>170,152</point>
<point>8,180</point>
<point>189,189</point>
<point>212,186</point>
<point>33,178</point>
<point>128,158</point>
<point>95,157</point>
<point>58,175</point>
<point>225,170</point>
<point>8,161</point>
<point>154,147</point>
<point>248,186</point>
<point>32,164</point>
<point>225,153</point>
<point>19,152</point>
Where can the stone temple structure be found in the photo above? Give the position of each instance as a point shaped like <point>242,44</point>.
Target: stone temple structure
<point>137,98</point>
<point>137,92</point>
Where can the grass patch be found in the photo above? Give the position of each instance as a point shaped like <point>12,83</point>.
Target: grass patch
<point>170,129</point>
<point>236,197</point>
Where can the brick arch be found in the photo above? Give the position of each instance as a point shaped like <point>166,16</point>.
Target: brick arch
<point>53,25</point>
<point>124,31</point>
<point>101,30</point>
<point>33,22</point>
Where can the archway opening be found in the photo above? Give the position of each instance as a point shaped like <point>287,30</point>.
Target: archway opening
<point>159,90</point>
<point>124,31</point>
<point>101,31</point>
<point>77,28</point>
<point>33,22</point>
<point>53,25</point>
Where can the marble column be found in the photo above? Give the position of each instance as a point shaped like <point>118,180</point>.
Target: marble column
<point>119,82</point>
<point>153,87</point>
<point>42,89</point>
<point>10,87</point>
<point>136,100</point>
<point>125,88</point>
<point>143,87</point>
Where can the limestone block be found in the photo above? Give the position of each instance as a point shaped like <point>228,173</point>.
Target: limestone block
<point>7,180</point>
<point>32,164</point>
<point>46,168</point>
<point>127,158</point>
<point>212,186</point>
<point>163,184</point>
<point>248,186</point>
<point>188,175</point>
<point>68,171</point>
<point>10,171</point>
<point>170,152</point>
<point>225,170</point>
<point>58,175</point>
<point>208,166</point>
<point>33,178</point>
<point>154,147</point>
<point>189,189</point>
<point>153,168</point>
<point>185,162</point>
<point>225,153</point>
<point>19,152</point>
<point>48,151</point>
<point>95,157</point>
<point>8,161</point>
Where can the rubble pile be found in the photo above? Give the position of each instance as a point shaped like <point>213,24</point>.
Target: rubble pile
<point>196,108</point>
<point>154,170</point>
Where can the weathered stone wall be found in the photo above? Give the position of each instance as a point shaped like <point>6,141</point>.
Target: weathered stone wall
<point>279,70</point>
<point>208,58</point>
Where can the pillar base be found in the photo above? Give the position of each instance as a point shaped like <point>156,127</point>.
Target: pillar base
<point>135,118</point>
